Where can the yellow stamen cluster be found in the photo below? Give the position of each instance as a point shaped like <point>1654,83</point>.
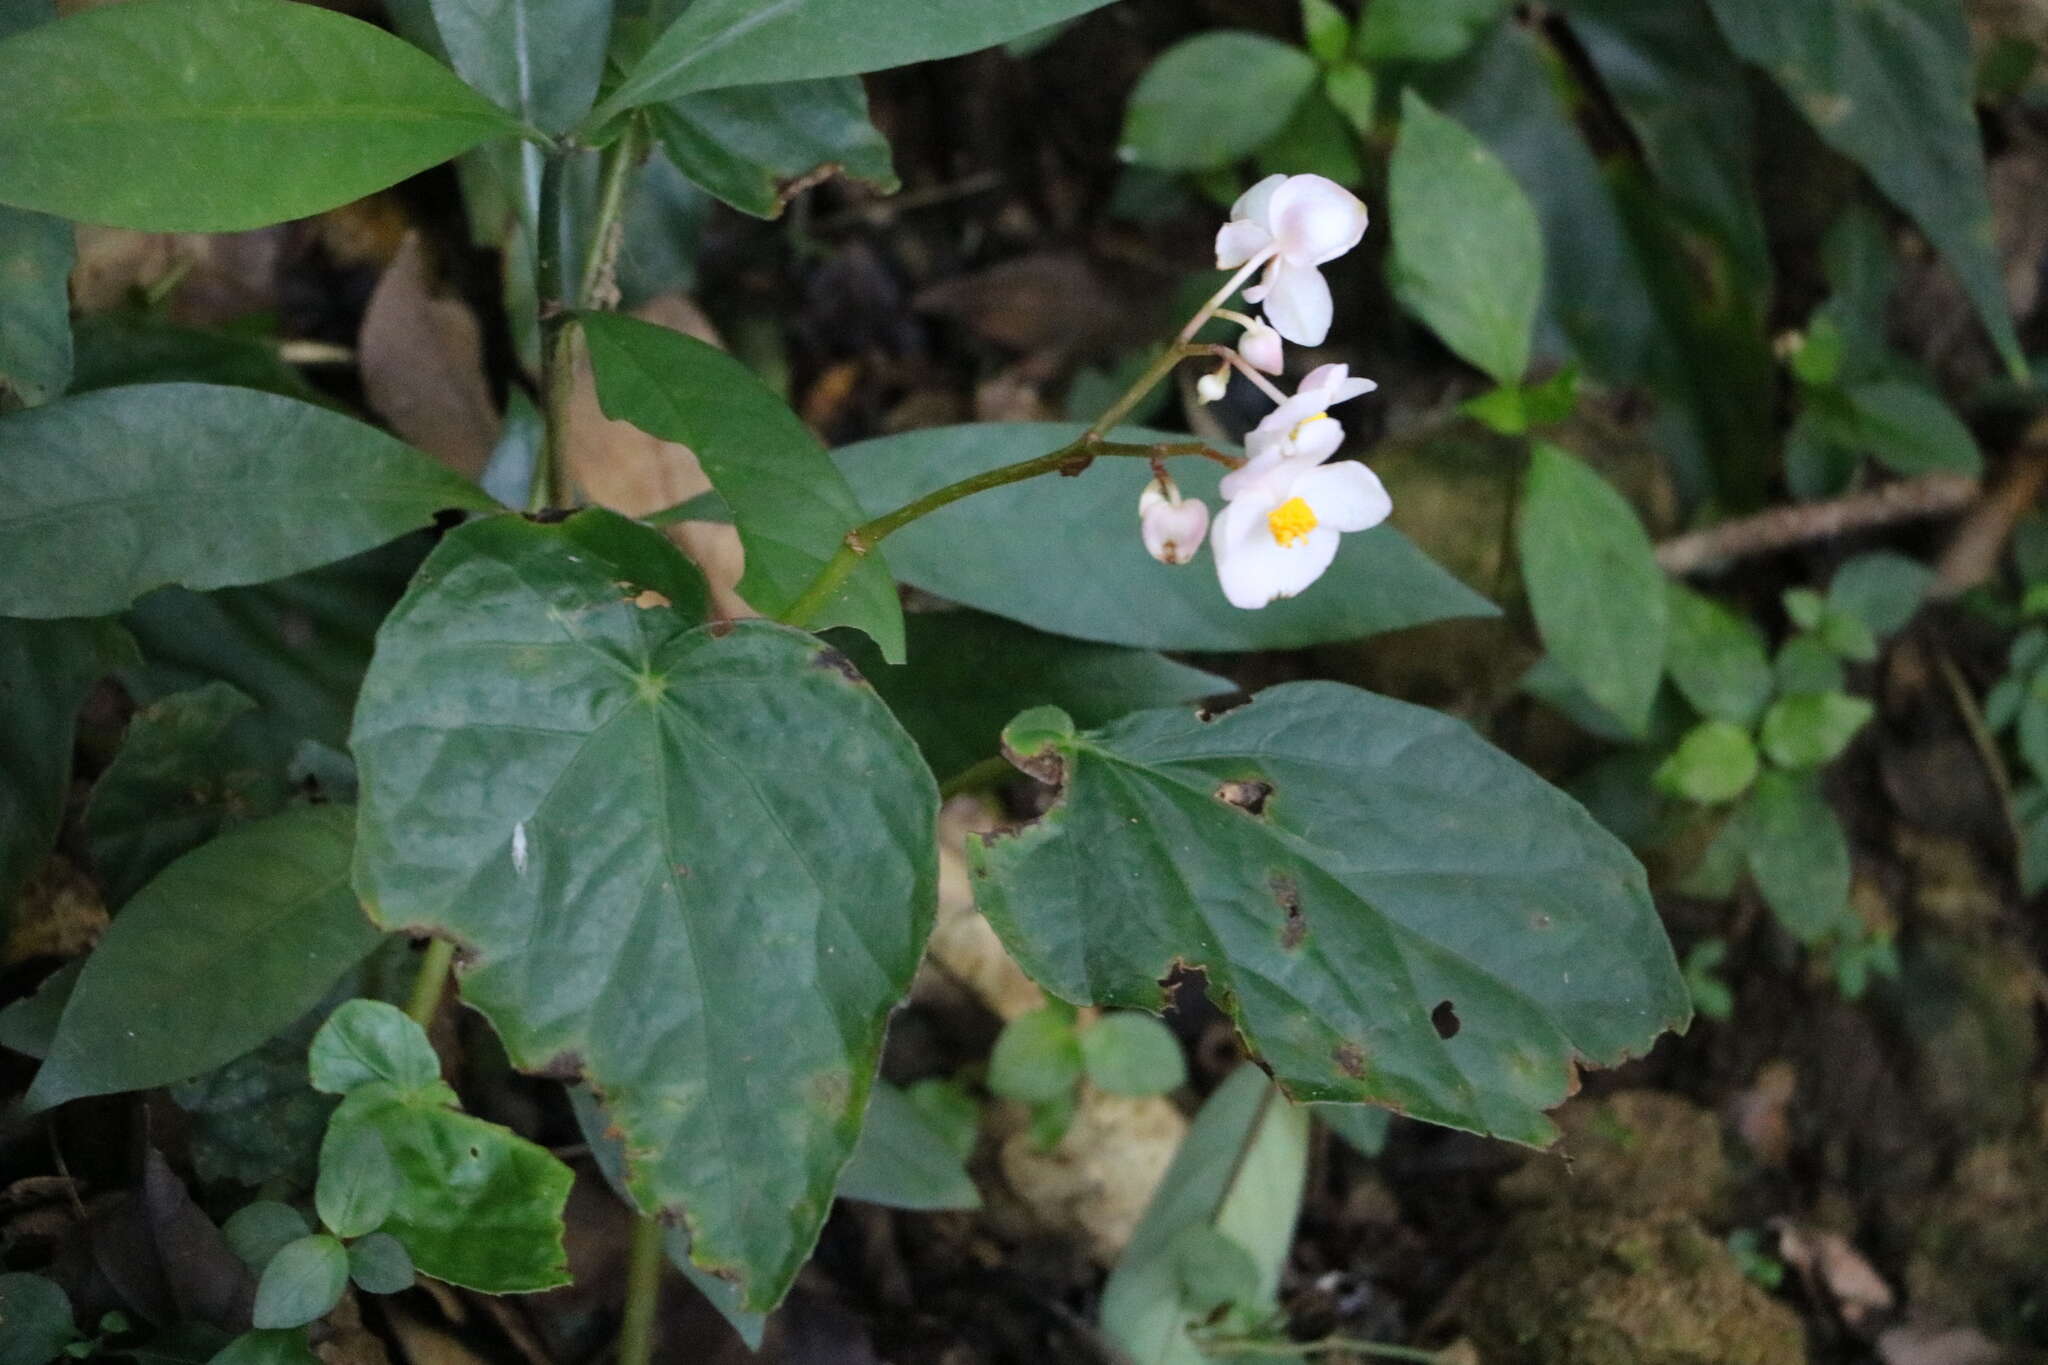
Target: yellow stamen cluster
<point>1291,522</point>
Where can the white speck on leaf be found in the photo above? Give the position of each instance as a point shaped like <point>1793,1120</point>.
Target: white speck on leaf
<point>519,848</point>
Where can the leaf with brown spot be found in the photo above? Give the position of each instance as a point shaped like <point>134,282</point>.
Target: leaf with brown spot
<point>1423,858</point>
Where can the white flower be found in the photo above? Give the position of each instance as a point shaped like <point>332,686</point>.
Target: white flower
<point>1172,526</point>
<point>1280,531</point>
<point>1300,428</point>
<point>1300,222</point>
<point>1260,347</point>
<point>1210,388</point>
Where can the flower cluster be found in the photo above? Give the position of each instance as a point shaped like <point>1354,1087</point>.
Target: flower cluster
<point>1285,506</point>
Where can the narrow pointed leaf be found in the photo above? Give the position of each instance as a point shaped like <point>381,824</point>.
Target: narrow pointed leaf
<point>106,496</point>
<point>1391,909</point>
<point>1888,83</point>
<point>717,43</point>
<point>219,115</point>
<point>792,508</point>
<point>632,821</point>
<point>266,908</point>
<point>1063,555</point>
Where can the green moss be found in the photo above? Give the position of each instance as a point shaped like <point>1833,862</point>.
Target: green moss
<point>1640,1151</point>
<point>1606,1288</point>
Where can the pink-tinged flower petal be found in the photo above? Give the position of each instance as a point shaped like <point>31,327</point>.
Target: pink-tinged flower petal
<point>1255,203</point>
<point>1345,496</point>
<point>1172,532</point>
<point>1298,303</point>
<point>1261,349</point>
<point>1240,482</point>
<point>1314,219</point>
<point>1238,241</point>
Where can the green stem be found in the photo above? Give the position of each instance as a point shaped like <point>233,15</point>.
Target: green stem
<point>559,308</point>
<point>643,1294</point>
<point>431,980</point>
<point>1377,1350</point>
<point>1161,366</point>
<point>1069,459</point>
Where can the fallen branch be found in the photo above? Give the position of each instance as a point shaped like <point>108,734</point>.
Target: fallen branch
<point>1781,528</point>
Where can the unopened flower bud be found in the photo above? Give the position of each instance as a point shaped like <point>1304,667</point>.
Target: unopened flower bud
<point>1171,526</point>
<point>1210,388</point>
<point>1261,349</point>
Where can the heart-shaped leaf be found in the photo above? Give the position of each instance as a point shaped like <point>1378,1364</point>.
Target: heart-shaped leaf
<point>632,822</point>
<point>1393,910</point>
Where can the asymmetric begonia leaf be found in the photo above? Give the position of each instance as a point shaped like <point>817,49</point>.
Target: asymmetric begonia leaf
<point>1392,910</point>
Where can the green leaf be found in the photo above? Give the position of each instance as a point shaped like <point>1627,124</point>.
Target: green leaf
<point>1683,92</point>
<point>116,349</point>
<point>255,1120</point>
<point>476,1204</point>
<point>1037,1057</point>
<point>30,1024</point>
<point>1354,876</point>
<point>219,115</point>
<point>539,59</point>
<point>1797,854</point>
<point>1212,1272</point>
<point>1594,585</point>
<point>1360,1125</point>
<point>717,43</point>
<point>610,1156</point>
<point>1804,664</point>
<point>1212,99</point>
<point>903,1162</point>
<point>753,146</point>
<point>950,1110</point>
<point>1327,30</point>
<point>37,1318</point>
<point>1887,84</point>
<point>1715,657</point>
<point>1808,729</point>
<point>35,305</point>
<point>2033,728</point>
<point>368,1040</point>
<point>1354,93</point>
<point>731,805</point>
<point>1882,589</point>
<point>379,1264</point>
<point>359,1182</point>
<point>1468,251</point>
<point>298,646</point>
<point>303,1281</point>
<point>792,509</point>
<point>473,1203</point>
<point>267,1348</point>
<point>1424,30</point>
<point>990,551</point>
<point>1133,1054</point>
<point>969,673</point>
<point>185,772</point>
<point>1317,140</point>
<point>256,1232</point>
<point>1847,637</point>
<point>46,670</point>
<point>266,907</point>
<point>1238,1175</point>
<point>1715,762</point>
<point>1902,424</point>
<point>257,486</point>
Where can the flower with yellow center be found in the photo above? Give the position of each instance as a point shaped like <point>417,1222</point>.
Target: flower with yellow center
<point>1281,528</point>
<point>1300,428</point>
